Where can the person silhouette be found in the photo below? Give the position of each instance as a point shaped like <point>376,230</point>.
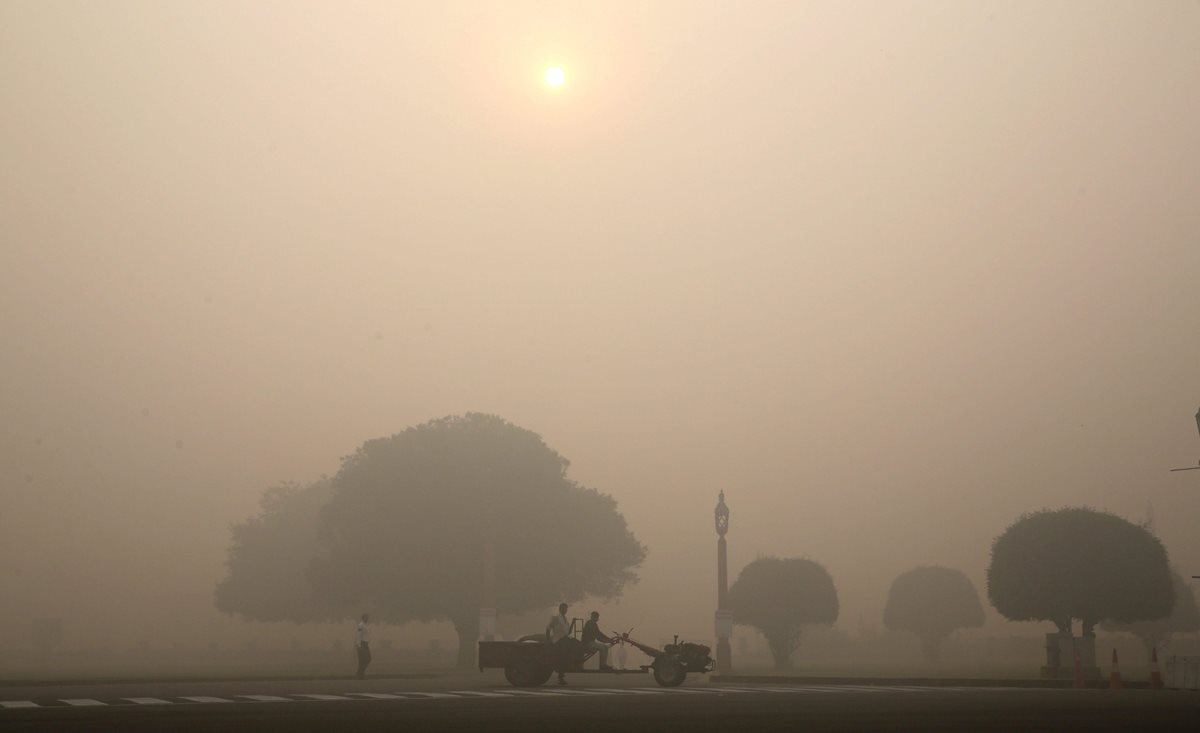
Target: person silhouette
<point>363,646</point>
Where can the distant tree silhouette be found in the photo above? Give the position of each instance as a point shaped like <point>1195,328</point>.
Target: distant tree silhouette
<point>778,597</point>
<point>932,602</point>
<point>270,557</point>
<point>1184,617</point>
<point>1078,563</point>
<point>405,531</point>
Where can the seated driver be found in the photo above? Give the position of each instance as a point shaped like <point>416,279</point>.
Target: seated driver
<point>594,639</point>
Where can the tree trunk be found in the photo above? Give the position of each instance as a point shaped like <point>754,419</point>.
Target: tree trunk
<point>781,650</point>
<point>467,628</point>
<point>1148,643</point>
<point>931,647</point>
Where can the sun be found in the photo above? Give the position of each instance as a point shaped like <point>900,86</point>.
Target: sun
<point>555,76</point>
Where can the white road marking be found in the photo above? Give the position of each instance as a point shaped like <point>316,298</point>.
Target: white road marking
<point>861,688</point>
<point>734,689</point>
<point>815,690</point>
<point>802,690</point>
<point>682,690</point>
<point>788,689</point>
<point>626,690</point>
<point>513,692</point>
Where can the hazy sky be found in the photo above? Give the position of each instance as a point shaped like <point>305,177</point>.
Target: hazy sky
<point>887,273</point>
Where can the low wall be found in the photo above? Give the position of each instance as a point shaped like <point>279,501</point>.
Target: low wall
<point>1182,673</point>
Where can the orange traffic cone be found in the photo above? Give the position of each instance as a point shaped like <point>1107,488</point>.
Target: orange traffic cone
<point>1114,681</point>
<point>1156,682</point>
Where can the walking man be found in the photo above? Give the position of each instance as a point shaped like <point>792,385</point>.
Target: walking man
<point>363,646</point>
<point>558,631</point>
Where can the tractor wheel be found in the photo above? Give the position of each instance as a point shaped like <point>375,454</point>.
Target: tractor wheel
<point>525,673</point>
<point>669,671</point>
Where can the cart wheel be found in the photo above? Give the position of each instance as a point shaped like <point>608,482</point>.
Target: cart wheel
<point>669,672</point>
<point>525,673</point>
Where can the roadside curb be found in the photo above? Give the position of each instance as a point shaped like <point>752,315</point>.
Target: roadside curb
<point>171,680</point>
<point>913,681</point>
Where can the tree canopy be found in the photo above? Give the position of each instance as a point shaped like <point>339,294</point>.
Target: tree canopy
<point>932,602</point>
<point>1078,563</point>
<point>1184,617</point>
<point>406,528</point>
<point>779,596</point>
<point>270,558</point>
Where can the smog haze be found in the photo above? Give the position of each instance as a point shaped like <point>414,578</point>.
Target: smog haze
<point>887,274</point>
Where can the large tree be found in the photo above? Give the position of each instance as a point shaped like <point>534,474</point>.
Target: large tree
<point>1078,563</point>
<point>778,597</point>
<point>932,602</point>
<point>412,515</point>
<point>1184,617</point>
<point>270,558</point>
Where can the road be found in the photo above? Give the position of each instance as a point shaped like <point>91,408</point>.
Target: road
<point>591,702</point>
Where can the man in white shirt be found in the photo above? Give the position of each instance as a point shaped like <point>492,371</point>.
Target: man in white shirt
<point>558,627</point>
<point>362,645</point>
<point>557,631</point>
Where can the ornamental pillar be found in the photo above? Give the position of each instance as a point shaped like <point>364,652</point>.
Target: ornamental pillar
<point>724,615</point>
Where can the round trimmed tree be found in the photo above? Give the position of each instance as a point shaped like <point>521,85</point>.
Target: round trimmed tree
<point>412,516</point>
<point>931,602</point>
<point>778,596</point>
<point>1078,563</point>
<point>270,557</point>
<point>1184,617</point>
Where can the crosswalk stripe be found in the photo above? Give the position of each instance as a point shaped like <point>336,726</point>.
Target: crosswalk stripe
<point>735,689</point>
<point>682,690</point>
<point>626,690</point>
<point>515,693</point>
<point>802,690</point>
<point>757,689</point>
<point>789,689</point>
<point>860,688</point>
<point>839,689</point>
